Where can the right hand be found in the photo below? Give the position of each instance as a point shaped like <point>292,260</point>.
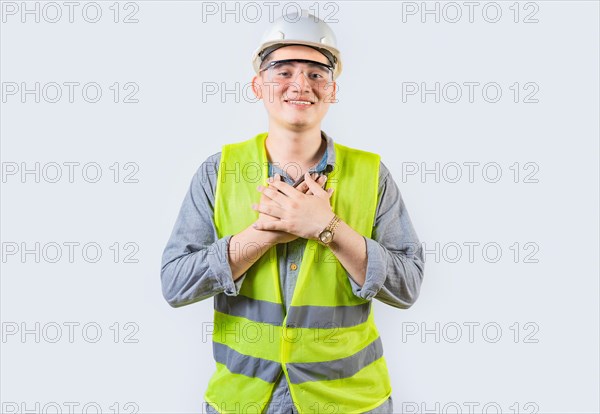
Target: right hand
<point>282,236</point>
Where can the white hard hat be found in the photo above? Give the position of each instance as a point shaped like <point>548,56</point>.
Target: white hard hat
<point>306,30</point>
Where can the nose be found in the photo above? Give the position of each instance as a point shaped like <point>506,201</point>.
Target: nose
<point>303,82</point>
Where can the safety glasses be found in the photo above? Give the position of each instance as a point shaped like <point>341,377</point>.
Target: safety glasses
<point>287,70</point>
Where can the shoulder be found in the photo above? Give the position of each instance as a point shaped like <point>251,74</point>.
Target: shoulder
<point>355,151</point>
<point>384,176</point>
<point>207,171</point>
<point>383,171</point>
<point>209,166</point>
<point>358,155</point>
<point>204,180</point>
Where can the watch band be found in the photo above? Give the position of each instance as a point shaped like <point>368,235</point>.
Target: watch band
<point>334,223</point>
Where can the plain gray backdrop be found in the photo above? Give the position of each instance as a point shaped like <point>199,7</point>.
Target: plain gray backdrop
<point>500,332</point>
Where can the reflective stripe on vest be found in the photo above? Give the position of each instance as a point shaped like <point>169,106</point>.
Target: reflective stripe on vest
<point>337,369</point>
<point>327,345</point>
<point>302,316</point>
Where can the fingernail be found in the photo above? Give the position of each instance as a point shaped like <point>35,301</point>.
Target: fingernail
<point>270,179</point>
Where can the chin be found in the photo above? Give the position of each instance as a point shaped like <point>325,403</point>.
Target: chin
<point>300,124</point>
<point>296,123</point>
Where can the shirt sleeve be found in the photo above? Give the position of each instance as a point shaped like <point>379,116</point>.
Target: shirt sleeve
<point>395,264</point>
<point>195,264</point>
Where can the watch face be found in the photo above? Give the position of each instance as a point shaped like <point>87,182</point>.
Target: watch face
<point>326,236</point>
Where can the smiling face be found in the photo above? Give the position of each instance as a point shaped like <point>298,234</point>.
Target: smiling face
<point>279,99</point>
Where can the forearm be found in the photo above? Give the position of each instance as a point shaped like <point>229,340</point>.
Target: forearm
<point>189,277</point>
<point>397,275</point>
<point>395,262</point>
<point>350,249</point>
<point>195,264</point>
<point>393,277</point>
<point>245,248</point>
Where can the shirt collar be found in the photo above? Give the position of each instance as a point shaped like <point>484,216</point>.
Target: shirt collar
<point>325,165</point>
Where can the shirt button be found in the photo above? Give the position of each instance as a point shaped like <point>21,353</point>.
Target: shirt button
<point>293,266</point>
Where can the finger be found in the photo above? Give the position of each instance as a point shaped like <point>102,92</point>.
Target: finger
<point>272,194</point>
<point>265,200</point>
<point>320,181</point>
<point>314,186</point>
<point>269,210</point>
<point>303,187</point>
<point>275,178</point>
<point>284,188</point>
<point>267,225</point>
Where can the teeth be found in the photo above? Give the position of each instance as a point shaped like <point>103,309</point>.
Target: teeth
<point>300,102</point>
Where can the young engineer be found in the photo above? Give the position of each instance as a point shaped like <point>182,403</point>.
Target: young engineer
<point>293,263</point>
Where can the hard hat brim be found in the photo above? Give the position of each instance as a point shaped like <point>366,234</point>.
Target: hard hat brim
<point>256,60</point>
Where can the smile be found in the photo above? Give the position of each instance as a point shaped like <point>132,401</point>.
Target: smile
<point>300,103</point>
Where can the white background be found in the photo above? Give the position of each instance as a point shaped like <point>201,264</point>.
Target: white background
<point>170,53</point>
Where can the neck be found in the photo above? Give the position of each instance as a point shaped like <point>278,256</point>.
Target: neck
<point>300,149</point>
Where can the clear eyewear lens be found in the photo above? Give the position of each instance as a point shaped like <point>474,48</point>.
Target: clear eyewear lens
<point>285,72</point>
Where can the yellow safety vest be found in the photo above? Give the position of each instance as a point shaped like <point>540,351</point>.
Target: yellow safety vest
<point>327,345</point>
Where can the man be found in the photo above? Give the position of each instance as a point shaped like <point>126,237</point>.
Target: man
<point>293,267</point>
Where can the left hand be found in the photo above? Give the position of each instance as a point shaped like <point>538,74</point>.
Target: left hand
<point>303,215</point>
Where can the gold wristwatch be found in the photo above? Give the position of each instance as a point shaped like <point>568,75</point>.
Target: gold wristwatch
<point>326,235</point>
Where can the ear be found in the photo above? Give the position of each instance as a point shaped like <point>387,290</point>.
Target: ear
<point>256,87</point>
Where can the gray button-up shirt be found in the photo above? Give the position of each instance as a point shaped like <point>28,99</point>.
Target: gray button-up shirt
<point>195,264</point>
